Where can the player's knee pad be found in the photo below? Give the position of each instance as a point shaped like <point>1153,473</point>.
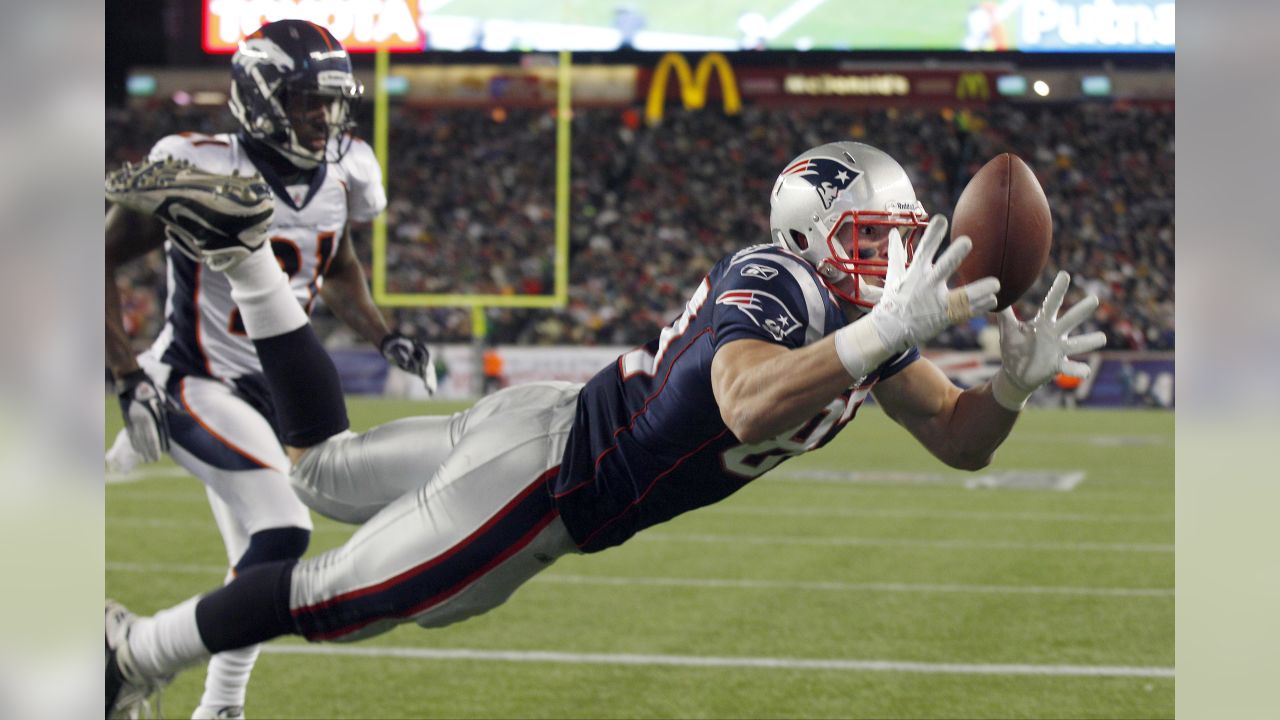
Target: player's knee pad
<point>287,543</point>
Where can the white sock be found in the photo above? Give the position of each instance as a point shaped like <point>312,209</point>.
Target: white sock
<point>261,291</point>
<point>168,641</point>
<point>228,677</point>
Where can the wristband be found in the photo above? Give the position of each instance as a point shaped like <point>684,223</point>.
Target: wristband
<point>1007,393</point>
<point>860,348</point>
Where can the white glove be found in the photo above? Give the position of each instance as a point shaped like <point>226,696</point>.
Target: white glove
<point>145,411</point>
<point>915,304</point>
<point>412,356</point>
<point>122,458</point>
<point>1036,350</point>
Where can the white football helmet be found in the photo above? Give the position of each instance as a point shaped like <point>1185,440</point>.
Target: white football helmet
<point>829,197</point>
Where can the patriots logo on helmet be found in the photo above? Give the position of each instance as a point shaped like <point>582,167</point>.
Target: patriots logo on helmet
<point>828,177</point>
<point>764,309</point>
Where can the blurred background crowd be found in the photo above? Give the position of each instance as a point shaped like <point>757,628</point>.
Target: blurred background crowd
<point>472,201</point>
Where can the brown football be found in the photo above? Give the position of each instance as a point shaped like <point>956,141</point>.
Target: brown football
<point>1004,211</point>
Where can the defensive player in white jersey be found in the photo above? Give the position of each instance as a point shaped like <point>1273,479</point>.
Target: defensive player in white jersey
<point>776,349</point>
<point>292,90</point>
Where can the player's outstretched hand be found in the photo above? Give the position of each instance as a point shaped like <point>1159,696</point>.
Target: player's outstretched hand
<point>411,356</point>
<point>144,408</point>
<point>1036,350</point>
<point>915,304</point>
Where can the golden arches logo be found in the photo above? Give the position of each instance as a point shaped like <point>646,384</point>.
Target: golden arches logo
<point>972,86</point>
<point>693,84</point>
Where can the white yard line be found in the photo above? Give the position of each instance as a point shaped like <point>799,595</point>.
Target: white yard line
<point>906,542</point>
<point>605,580</point>
<point>1061,480</point>
<point>800,511</point>
<point>165,523</point>
<point>166,568</point>
<point>771,663</point>
<point>910,588</point>
<point>147,474</point>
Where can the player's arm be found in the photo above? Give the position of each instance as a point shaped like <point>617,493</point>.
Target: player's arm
<point>963,429</point>
<point>129,235</point>
<point>346,293</point>
<point>764,389</point>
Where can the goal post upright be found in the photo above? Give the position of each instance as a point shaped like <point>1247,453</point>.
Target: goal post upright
<point>560,289</point>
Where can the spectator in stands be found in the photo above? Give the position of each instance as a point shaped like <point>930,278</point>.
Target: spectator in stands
<point>652,207</point>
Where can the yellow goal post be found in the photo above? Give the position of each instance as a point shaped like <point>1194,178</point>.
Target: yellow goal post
<point>560,294</point>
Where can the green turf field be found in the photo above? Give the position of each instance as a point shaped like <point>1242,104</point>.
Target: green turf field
<point>814,592</point>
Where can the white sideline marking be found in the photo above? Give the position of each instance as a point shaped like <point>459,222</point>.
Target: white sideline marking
<point>1029,479</point>
<point>738,584</point>
<point>546,656</point>
<point>894,542</point>
<point>930,514</point>
<point>852,587</point>
<point>1106,441</point>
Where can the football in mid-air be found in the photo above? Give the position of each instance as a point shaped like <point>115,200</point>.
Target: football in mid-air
<point>1004,211</point>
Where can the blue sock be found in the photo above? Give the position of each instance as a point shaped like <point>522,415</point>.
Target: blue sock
<point>304,386</point>
<point>251,609</point>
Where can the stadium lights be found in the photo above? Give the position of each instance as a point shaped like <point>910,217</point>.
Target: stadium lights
<point>397,85</point>
<point>1011,85</point>
<point>1041,88</point>
<point>209,97</point>
<point>140,85</point>
<point>1095,85</point>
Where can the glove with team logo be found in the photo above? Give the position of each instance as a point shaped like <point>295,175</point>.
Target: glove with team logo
<point>914,305</point>
<point>412,356</point>
<point>145,412</point>
<point>1034,351</point>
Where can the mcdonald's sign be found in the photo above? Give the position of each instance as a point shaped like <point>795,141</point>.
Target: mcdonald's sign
<point>693,84</point>
<point>972,86</point>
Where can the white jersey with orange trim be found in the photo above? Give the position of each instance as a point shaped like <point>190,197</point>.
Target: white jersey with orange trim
<point>203,334</point>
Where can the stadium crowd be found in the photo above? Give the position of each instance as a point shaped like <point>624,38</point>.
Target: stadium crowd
<point>472,200</point>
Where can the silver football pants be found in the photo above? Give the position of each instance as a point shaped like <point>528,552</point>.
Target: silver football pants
<point>456,510</point>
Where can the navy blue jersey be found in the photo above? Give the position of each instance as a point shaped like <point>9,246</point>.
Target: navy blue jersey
<point>648,442</point>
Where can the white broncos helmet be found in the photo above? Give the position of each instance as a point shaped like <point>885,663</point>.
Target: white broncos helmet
<point>828,197</point>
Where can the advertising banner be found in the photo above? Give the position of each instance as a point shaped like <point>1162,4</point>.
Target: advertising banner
<point>725,25</point>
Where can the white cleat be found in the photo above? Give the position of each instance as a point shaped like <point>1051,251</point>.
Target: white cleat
<point>127,690</point>
<point>214,219</point>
